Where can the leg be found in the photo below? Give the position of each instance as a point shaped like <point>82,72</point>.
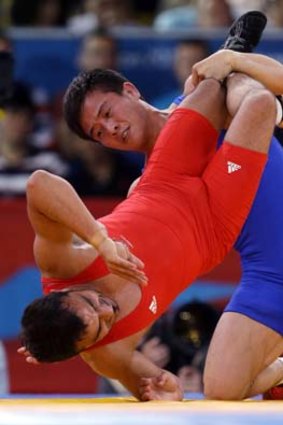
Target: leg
<point>236,356</point>
<point>239,352</point>
<point>188,141</point>
<point>268,378</point>
<point>253,110</point>
<point>208,99</point>
<point>248,137</point>
<point>253,320</point>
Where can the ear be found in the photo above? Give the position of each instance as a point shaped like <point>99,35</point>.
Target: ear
<point>131,90</point>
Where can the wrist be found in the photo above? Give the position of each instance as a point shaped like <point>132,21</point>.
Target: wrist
<point>98,237</point>
<point>235,59</point>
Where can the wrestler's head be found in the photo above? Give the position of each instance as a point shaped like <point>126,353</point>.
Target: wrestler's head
<point>103,106</point>
<point>64,323</point>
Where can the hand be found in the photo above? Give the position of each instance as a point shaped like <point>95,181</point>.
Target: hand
<point>29,358</point>
<point>189,87</point>
<point>216,66</point>
<point>155,351</point>
<point>166,386</point>
<point>121,261</point>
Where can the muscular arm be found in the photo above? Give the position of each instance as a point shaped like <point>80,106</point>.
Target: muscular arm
<point>135,372</point>
<point>266,70</point>
<point>56,212</point>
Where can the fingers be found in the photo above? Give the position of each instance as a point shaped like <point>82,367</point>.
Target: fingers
<point>161,379</point>
<point>128,243</point>
<point>156,380</point>
<point>195,76</point>
<point>136,261</point>
<point>146,392</point>
<point>189,86</point>
<point>122,262</point>
<point>127,270</point>
<point>23,350</point>
<point>125,253</point>
<point>32,360</point>
<point>147,396</point>
<point>28,357</point>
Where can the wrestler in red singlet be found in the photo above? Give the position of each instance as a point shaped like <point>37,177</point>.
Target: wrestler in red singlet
<point>183,216</point>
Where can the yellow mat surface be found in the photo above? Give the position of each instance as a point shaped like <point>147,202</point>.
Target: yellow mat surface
<point>124,411</point>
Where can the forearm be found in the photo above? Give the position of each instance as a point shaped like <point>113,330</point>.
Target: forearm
<point>266,70</point>
<point>139,367</point>
<point>130,368</point>
<point>56,199</point>
<point>141,377</point>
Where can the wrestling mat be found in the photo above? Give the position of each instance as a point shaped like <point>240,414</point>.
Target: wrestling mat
<point>92,410</point>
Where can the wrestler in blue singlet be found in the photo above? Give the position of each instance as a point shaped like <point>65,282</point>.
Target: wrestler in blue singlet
<point>259,294</point>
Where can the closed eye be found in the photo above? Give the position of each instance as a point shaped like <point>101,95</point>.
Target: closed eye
<point>88,302</point>
<point>99,135</point>
<point>94,308</point>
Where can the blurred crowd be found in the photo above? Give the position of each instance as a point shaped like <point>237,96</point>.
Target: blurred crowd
<point>34,135</point>
<point>83,15</point>
<point>33,132</point>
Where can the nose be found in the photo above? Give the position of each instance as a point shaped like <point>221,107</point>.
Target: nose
<point>112,127</point>
<point>105,311</point>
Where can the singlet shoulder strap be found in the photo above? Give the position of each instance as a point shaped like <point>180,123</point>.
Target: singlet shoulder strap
<point>93,271</point>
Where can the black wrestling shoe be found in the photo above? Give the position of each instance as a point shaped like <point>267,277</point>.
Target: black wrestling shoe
<point>245,32</point>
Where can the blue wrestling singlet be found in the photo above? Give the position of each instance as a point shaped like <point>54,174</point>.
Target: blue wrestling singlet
<point>260,245</point>
<point>259,294</point>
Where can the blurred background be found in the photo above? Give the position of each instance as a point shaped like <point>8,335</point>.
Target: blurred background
<point>154,43</point>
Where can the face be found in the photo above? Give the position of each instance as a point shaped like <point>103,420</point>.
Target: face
<point>48,13</point>
<point>97,52</point>
<point>116,121</point>
<point>96,310</point>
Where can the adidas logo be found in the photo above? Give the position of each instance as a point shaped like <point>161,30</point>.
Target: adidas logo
<point>153,305</point>
<point>232,167</point>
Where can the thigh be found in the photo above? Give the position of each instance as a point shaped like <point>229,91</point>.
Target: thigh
<point>240,349</point>
<point>232,179</point>
<point>185,145</point>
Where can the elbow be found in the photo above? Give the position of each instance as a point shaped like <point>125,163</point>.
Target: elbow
<point>36,179</point>
<point>36,183</point>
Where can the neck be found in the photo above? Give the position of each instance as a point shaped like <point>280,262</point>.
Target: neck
<point>156,121</point>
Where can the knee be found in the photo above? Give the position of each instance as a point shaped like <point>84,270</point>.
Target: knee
<point>209,100</point>
<point>262,102</point>
<point>212,86</point>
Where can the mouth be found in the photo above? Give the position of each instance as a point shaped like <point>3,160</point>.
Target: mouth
<point>125,134</point>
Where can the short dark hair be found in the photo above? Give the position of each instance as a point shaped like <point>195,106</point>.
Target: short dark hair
<point>50,330</point>
<point>105,80</point>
